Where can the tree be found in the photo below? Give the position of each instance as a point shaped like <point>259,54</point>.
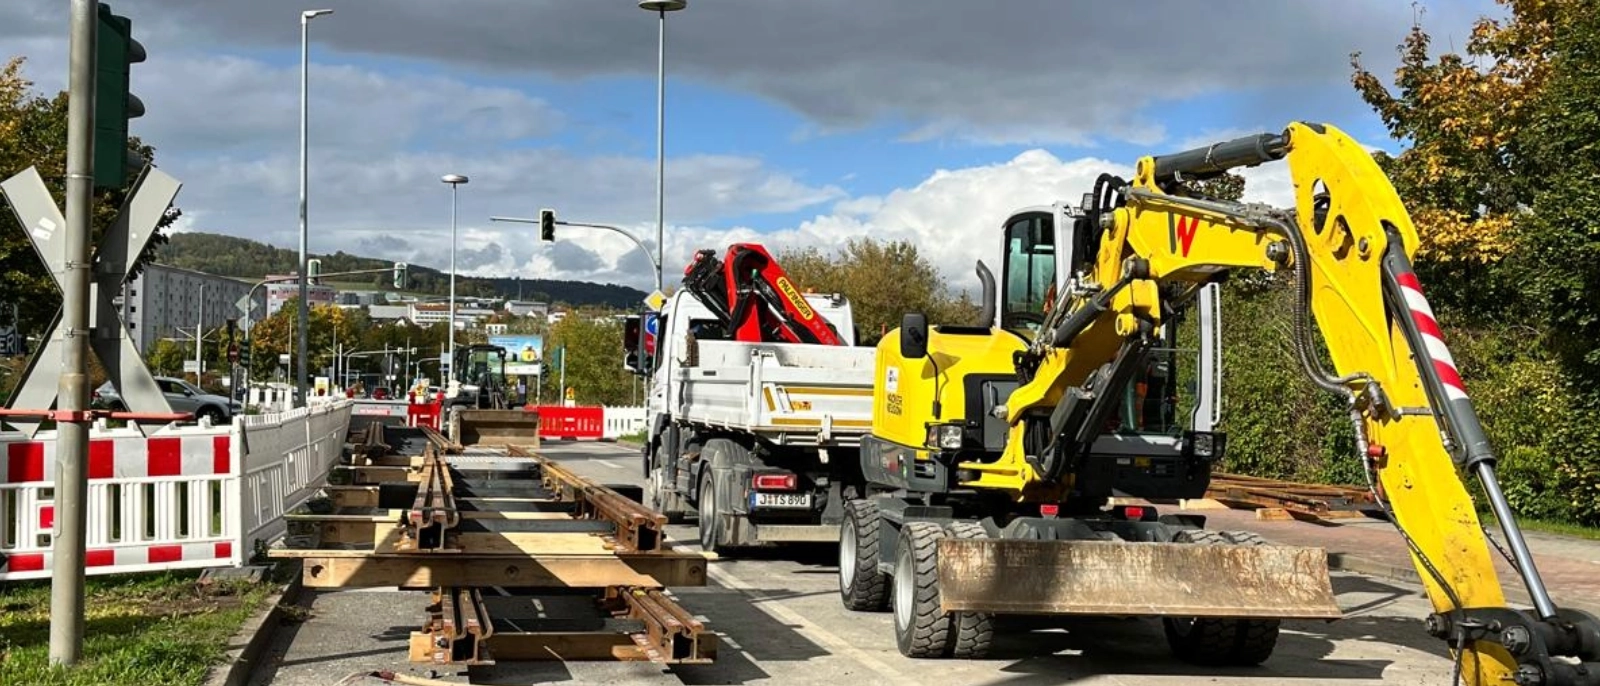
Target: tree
<point>592,343</point>
<point>33,132</point>
<point>883,282</point>
<point>1465,175</point>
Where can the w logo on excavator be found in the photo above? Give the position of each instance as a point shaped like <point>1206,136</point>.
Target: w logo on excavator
<point>1181,231</point>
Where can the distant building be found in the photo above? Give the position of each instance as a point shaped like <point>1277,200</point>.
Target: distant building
<point>527,308</point>
<point>163,299</point>
<point>281,292</point>
<point>382,313</point>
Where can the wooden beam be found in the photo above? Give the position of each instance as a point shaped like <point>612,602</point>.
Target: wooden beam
<point>359,569</point>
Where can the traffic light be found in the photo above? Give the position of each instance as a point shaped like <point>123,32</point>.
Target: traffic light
<point>114,50</point>
<point>244,355</point>
<point>313,269</point>
<point>547,225</point>
<point>399,275</point>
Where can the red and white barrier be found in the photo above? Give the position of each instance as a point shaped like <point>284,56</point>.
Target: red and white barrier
<point>183,497</point>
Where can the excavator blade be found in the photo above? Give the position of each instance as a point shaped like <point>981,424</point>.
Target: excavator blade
<point>1010,576</point>
<point>498,428</point>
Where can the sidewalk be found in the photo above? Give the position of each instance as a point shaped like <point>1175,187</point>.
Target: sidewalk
<point>1569,566</point>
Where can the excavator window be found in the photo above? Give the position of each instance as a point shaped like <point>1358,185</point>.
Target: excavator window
<point>1029,272</point>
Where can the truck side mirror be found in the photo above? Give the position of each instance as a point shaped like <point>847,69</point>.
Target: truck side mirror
<point>914,336</point>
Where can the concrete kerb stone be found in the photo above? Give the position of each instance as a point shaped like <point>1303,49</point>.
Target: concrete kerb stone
<point>245,648</point>
<point>1513,589</point>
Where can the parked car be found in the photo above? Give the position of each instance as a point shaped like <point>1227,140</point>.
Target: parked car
<point>181,395</point>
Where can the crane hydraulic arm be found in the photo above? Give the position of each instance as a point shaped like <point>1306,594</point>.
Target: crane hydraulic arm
<point>754,297</point>
<point>1347,245</point>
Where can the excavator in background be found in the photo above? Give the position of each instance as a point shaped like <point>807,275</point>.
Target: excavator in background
<point>995,448</point>
<point>478,408</point>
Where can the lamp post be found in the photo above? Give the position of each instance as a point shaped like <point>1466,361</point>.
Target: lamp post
<point>454,180</point>
<point>305,309</point>
<point>661,8</point>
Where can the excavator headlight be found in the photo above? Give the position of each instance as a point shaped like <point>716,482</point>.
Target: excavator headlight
<point>945,436</point>
<point>1203,445</point>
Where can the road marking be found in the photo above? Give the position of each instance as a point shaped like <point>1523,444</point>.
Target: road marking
<point>823,637</point>
<point>609,463</point>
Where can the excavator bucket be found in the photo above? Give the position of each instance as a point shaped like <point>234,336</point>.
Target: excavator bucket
<point>496,427</point>
<point>1009,576</point>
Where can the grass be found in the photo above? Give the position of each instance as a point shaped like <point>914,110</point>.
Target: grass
<point>636,438</point>
<point>155,628</point>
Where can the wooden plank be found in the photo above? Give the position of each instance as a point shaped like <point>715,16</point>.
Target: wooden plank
<point>357,569</point>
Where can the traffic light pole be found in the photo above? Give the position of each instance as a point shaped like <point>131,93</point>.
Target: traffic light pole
<point>654,263</point>
<point>72,424</point>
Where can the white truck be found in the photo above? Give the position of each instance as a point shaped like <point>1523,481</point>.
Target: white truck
<point>758,441</point>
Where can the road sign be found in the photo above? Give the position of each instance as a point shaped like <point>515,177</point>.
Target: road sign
<point>246,304</point>
<point>651,327</point>
<point>145,206</point>
<point>191,366</point>
<point>656,300</point>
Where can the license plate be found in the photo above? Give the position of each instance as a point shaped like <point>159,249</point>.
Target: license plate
<point>780,500</point>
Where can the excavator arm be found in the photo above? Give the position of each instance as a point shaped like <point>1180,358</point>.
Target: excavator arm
<point>1347,246</point>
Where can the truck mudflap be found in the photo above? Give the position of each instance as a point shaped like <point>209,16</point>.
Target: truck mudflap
<point>1020,576</point>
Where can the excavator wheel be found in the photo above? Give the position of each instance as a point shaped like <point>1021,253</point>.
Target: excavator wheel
<point>921,627</point>
<point>1215,641</point>
<point>861,586</point>
<point>974,631</point>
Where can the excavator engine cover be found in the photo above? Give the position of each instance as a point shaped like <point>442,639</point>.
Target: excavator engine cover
<point>1020,576</point>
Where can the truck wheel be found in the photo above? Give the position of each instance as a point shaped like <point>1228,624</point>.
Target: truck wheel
<point>662,498</point>
<point>974,631</point>
<point>710,531</point>
<point>1221,642</point>
<point>862,587</point>
<point>921,629</point>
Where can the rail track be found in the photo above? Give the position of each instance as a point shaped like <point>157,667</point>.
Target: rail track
<point>520,558</point>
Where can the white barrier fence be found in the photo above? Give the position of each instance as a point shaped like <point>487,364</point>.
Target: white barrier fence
<point>182,497</point>
<point>621,421</point>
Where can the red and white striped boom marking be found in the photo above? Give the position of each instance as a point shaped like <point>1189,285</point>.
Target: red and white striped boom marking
<point>1432,338</point>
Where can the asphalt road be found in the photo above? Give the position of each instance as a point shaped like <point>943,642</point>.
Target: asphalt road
<point>780,622</point>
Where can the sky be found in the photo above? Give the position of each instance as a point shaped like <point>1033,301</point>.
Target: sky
<point>790,124</point>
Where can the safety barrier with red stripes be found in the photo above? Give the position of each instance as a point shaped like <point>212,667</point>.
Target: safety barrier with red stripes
<point>183,497</point>
<point>572,423</point>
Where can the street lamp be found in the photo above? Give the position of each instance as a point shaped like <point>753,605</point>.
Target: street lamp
<point>661,8</point>
<point>305,309</point>
<point>454,180</point>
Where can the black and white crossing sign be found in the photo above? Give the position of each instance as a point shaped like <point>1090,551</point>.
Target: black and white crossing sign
<point>147,202</point>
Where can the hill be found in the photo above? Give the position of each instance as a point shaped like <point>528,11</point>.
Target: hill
<point>245,258</point>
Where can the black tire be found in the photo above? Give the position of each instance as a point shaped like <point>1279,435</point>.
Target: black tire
<point>974,631</point>
<point>921,628</point>
<point>861,586</point>
<point>216,415</point>
<point>1221,642</point>
<point>710,531</point>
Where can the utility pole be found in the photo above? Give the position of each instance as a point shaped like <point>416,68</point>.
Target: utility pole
<point>199,335</point>
<point>72,425</point>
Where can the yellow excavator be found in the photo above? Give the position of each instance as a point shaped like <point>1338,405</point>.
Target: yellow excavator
<point>996,448</point>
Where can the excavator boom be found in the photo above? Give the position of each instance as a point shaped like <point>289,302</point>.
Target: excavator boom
<point>1348,245</point>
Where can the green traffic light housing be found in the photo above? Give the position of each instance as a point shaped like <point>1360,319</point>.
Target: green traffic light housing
<point>547,225</point>
<point>313,269</point>
<point>114,105</point>
<point>399,275</point>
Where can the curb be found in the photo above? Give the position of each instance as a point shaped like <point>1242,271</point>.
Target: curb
<point>1513,590</point>
<point>253,637</point>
